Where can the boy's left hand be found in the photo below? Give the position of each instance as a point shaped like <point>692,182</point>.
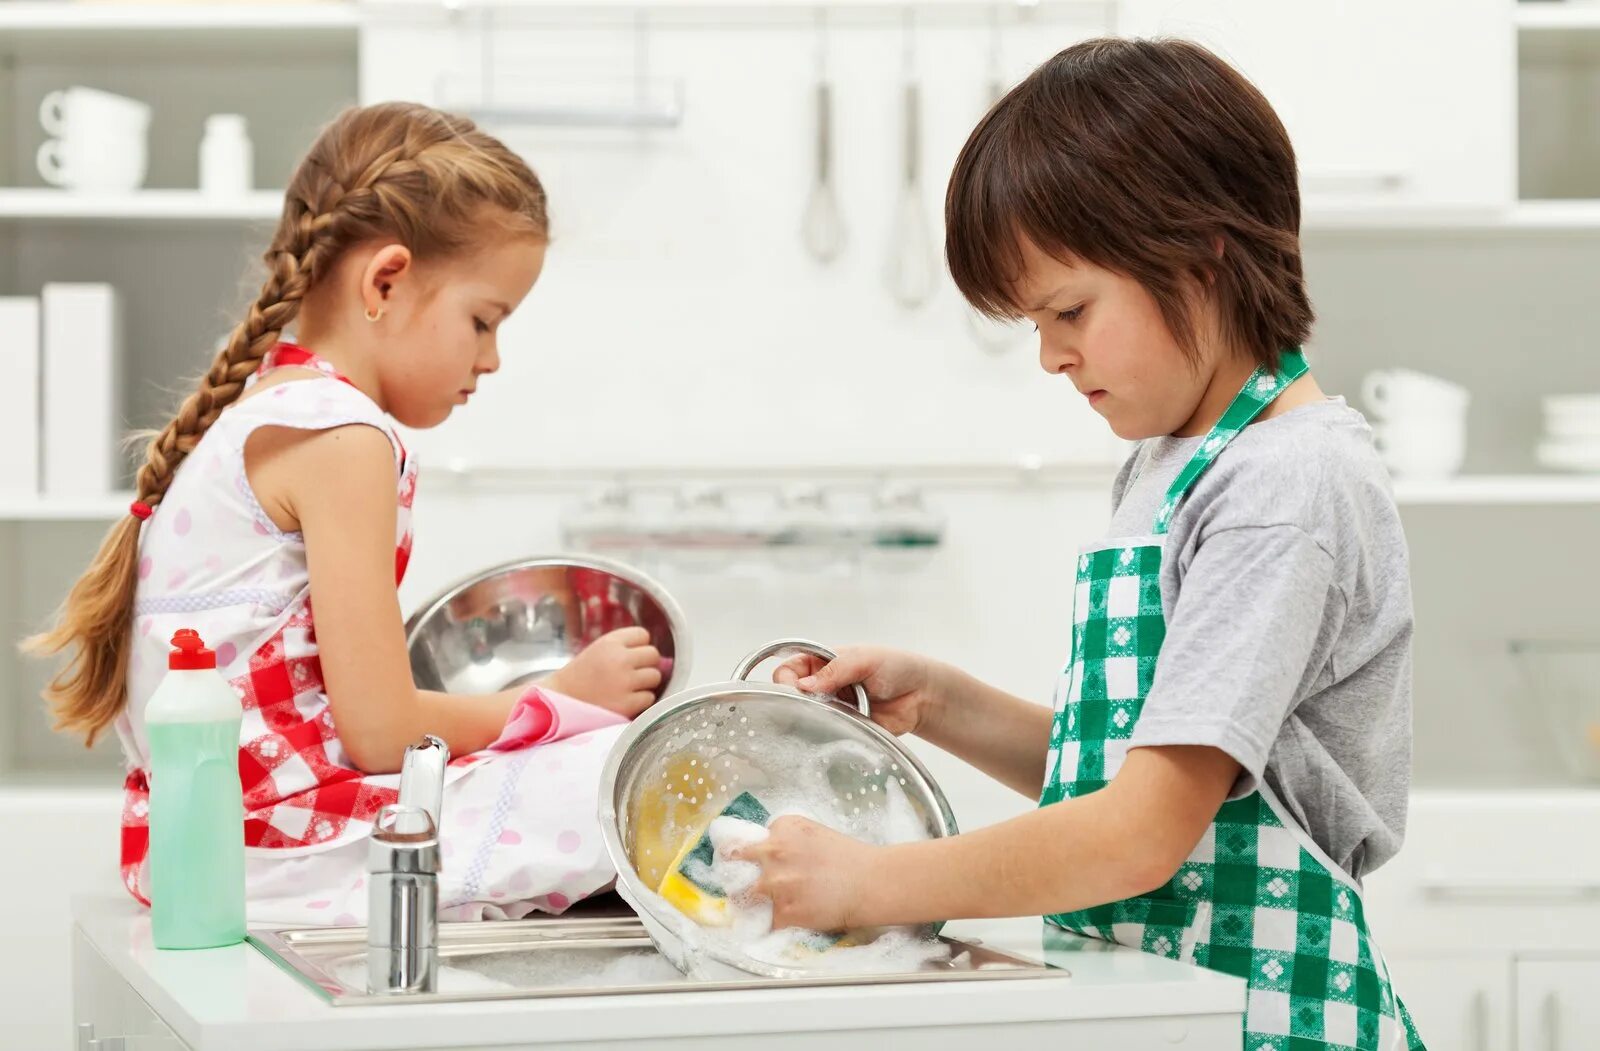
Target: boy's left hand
<point>815,877</point>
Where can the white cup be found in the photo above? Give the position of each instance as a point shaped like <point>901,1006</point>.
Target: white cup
<point>1572,416</point>
<point>101,140</point>
<point>78,111</point>
<point>1422,445</point>
<point>83,163</point>
<point>1401,392</point>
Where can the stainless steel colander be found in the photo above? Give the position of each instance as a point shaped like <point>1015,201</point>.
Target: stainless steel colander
<point>675,768</point>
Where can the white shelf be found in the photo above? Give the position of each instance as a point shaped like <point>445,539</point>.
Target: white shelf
<point>1549,216</point>
<point>1558,15</point>
<point>1489,489</point>
<point>64,16</point>
<point>139,205</point>
<point>1553,215</point>
<point>64,509</point>
<point>193,206</point>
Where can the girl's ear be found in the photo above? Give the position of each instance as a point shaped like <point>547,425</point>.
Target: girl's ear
<point>389,268</point>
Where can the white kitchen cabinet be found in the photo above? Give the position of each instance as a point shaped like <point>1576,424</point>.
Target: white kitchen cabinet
<point>1557,1005</point>
<point>1409,105</point>
<point>1461,1002</point>
<point>107,1014</point>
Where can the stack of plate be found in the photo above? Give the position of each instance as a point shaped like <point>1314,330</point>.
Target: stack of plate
<point>1571,433</point>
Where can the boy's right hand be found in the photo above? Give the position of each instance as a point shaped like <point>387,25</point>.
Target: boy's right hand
<point>906,691</point>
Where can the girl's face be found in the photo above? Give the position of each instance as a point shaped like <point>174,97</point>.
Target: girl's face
<point>440,326</point>
<point>1104,332</point>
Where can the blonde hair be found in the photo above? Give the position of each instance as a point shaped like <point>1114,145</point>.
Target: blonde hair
<point>398,171</point>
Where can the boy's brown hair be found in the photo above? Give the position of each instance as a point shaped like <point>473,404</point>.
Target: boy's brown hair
<point>1143,157</point>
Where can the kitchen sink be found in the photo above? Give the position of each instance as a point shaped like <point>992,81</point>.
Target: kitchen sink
<point>599,952</point>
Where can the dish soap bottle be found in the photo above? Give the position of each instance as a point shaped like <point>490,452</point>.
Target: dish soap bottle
<point>196,803</point>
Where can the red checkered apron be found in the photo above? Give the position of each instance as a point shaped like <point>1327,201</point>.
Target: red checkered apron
<point>300,788</point>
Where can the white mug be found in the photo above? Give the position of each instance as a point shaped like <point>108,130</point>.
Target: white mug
<point>1572,416</point>
<point>1422,446</point>
<point>1397,392</point>
<point>76,111</point>
<point>93,163</point>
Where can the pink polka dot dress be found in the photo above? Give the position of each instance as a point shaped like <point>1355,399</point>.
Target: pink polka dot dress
<point>519,831</point>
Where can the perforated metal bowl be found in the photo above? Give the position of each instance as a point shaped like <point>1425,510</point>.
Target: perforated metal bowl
<point>680,763</point>
<point>518,622</point>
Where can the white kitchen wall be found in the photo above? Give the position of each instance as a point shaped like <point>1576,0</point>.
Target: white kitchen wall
<point>679,319</point>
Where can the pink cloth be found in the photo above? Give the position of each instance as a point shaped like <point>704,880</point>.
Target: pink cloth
<point>542,716</point>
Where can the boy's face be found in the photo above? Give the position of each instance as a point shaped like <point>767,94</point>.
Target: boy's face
<point>1104,332</point>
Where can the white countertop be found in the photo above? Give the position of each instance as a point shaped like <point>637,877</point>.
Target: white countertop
<point>238,999</point>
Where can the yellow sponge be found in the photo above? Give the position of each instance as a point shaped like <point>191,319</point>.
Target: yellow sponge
<point>687,887</point>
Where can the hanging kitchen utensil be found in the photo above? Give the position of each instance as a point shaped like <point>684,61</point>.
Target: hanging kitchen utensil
<point>995,335</point>
<point>822,228</point>
<point>911,273</point>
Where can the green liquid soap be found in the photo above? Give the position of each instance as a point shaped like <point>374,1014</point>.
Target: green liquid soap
<point>192,721</point>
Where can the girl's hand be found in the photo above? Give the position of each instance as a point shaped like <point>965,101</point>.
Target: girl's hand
<point>618,671</point>
<point>815,877</point>
<point>906,691</point>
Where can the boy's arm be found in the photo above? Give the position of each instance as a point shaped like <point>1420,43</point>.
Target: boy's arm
<point>1123,841</point>
<point>1003,735</point>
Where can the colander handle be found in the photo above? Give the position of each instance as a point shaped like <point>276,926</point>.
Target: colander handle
<point>793,647</point>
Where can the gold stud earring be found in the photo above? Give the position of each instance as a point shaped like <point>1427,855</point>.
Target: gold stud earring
<point>374,315</point>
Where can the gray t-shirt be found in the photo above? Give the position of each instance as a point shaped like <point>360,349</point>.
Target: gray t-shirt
<point>1288,602</point>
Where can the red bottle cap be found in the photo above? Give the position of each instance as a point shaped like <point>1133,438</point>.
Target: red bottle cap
<point>189,653</point>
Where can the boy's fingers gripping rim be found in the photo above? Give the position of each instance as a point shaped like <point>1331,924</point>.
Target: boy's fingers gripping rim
<point>793,669</point>
<point>844,671</point>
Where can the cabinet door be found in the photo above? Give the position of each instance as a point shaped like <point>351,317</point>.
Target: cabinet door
<point>1558,1004</point>
<point>1388,104</point>
<point>108,1015</point>
<point>1457,1002</point>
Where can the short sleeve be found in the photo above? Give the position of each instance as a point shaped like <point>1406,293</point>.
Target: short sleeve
<point>1247,639</point>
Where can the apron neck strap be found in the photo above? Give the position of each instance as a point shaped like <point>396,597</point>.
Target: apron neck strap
<point>1259,391</point>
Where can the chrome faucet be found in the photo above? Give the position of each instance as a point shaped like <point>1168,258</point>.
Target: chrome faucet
<point>403,877</point>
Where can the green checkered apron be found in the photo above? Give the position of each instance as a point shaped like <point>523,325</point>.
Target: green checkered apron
<point>1257,898</point>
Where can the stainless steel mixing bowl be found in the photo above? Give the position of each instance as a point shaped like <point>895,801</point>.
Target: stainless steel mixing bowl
<point>682,761</point>
<point>521,621</point>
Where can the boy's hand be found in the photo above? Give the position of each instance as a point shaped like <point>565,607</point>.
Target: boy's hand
<point>814,876</point>
<point>618,671</point>
<point>906,691</point>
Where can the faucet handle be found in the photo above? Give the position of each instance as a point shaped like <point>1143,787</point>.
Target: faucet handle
<point>422,776</point>
<point>404,840</point>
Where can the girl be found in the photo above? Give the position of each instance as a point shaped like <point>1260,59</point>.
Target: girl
<point>1230,747</point>
<point>407,238</point>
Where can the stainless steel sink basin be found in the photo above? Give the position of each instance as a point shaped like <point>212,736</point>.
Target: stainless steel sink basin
<point>584,955</point>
